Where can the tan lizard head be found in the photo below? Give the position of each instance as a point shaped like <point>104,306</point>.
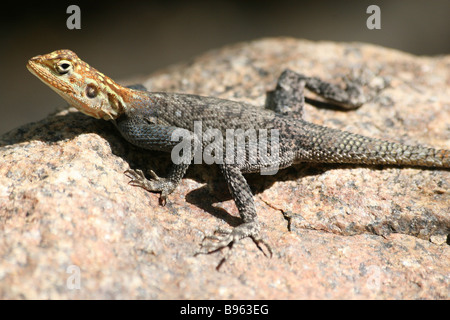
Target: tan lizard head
<point>82,86</point>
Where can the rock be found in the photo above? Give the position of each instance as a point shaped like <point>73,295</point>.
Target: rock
<point>72,227</point>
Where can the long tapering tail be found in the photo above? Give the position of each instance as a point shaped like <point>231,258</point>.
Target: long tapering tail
<point>335,146</point>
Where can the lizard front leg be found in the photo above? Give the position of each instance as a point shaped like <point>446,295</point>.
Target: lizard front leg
<point>157,184</point>
<point>141,133</point>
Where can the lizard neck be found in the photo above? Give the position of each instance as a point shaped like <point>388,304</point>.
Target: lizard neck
<point>133,99</point>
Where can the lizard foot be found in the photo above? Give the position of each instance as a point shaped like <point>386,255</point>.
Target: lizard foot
<point>156,184</point>
<point>362,86</point>
<point>226,238</point>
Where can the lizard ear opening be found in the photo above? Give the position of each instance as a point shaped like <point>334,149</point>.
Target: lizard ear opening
<point>63,66</point>
<point>91,91</point>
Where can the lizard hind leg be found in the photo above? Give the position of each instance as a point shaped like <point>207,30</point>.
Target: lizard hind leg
<point>288,97</point>
<point>226,238</point>
<point>243,198</point>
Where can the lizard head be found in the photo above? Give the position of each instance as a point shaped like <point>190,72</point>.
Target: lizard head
<point>85,88</point>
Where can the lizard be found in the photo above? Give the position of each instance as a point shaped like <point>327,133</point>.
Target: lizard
<point>150,119</point>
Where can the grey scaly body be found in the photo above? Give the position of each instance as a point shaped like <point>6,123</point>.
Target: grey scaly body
<point>149,120</point>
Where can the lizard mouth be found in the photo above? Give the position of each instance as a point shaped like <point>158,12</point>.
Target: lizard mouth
<point>35,67</point>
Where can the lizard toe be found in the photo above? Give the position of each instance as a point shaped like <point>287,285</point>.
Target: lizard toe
<point>155,184</point>
<point>227,238</point>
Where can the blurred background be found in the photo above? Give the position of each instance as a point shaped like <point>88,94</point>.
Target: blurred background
<point>128,38</point>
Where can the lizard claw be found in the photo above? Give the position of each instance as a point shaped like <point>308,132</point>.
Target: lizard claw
<point>136,176</point>
<point>156,184</point>
<point>226,238</point>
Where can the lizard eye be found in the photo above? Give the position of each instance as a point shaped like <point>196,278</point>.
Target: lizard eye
<point>63,66</point>
<point>91,91</point>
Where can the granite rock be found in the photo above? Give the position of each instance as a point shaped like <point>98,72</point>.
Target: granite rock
<point>72,227</point>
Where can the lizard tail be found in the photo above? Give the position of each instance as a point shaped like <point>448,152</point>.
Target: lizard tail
<point>345,147</point>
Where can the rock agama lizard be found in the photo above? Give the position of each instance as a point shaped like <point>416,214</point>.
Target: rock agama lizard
<point>149,119</point>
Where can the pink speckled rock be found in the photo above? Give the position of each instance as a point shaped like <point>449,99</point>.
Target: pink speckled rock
<point>339,232</point>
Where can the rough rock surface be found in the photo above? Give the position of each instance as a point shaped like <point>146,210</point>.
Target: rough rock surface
<point>66,208</point>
